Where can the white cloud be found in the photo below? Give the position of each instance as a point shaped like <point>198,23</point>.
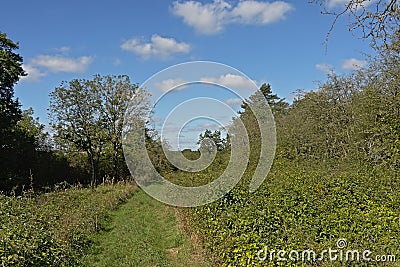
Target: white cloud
<point>158,47</point>
<point>232,81</point>
<point>325,68</point>
<point>254,12</point>
<point>202,127</point>
<point>62,64</point>
<point>63,49</point>
<point>169,84</point>
<point>34,73</point>
<point>335,3</point>
<point>234,101</point>
<point>353,63</point>
<point>211,18</point>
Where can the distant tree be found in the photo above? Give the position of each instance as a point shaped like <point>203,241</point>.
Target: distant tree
<point>212,140</point>
<point>35,131</point>
<point>276,103</point>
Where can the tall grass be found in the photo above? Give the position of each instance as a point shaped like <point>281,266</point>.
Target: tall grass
<point>54,229</point>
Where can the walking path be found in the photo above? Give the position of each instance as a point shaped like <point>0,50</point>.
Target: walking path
<point>143,232</point>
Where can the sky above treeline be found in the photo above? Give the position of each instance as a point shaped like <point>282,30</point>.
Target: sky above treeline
<point>278,42</point>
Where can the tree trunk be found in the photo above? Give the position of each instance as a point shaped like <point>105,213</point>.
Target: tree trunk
<point>93,169</point>
<point>115,161</point>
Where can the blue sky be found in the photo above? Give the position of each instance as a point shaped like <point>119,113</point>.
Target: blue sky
<point>279,42</point>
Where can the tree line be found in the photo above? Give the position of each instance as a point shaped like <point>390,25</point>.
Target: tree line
<point>86,117</point>
<point>353,117</point>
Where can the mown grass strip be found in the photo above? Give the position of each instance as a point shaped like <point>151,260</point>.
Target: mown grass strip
<point>142,232</point>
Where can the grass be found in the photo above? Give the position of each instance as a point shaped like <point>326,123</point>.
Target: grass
<point>54,229</point>
<point>143,232</point>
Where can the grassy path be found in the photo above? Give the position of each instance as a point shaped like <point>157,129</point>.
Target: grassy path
<point>143,232</point>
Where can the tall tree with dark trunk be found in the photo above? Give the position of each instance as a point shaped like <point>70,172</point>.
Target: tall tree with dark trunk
<point>76,118</point>
<point>10,111</point>
<point>114,93</point>
<point>88,115</point>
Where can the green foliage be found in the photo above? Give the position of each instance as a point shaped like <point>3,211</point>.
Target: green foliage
<point>211,141</point>
<point>55,229</point>
<point>320,124</point>
<point>329,180</point>
<point>27,164</point>
<point>354,116</point>
<point>88,116</point>
<point>303,206</point>
<point>10,73</point>
<point>10,111</point>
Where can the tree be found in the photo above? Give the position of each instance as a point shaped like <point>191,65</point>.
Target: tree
<point>88,115</point>
<point>35,131</point>
<point>114,93</point>
<point>75,117</point>
<point>276,103</point>
<point>320,124</point>
<point>377,20</point>
<point>378,107</point>
<point>212,140</point>
<point>10,72</point>
<point>10,111</point>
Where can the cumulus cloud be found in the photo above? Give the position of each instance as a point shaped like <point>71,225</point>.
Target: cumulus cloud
<point>196,128</point>
<point>211,18</point>
<point>232,81</point>
<point>41,65</point>
<point>234,101</point>
<point>62,64</point>
<point>353,63</point>
<point>170,84</point>
<point>157,47</point>
<point>33,74</point>
<point>325,68</point>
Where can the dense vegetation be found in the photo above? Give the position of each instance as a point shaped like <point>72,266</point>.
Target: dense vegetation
<point>56,228</point>
<point>336,173</point>
<point>335,176</point>
<point>25,147</point>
